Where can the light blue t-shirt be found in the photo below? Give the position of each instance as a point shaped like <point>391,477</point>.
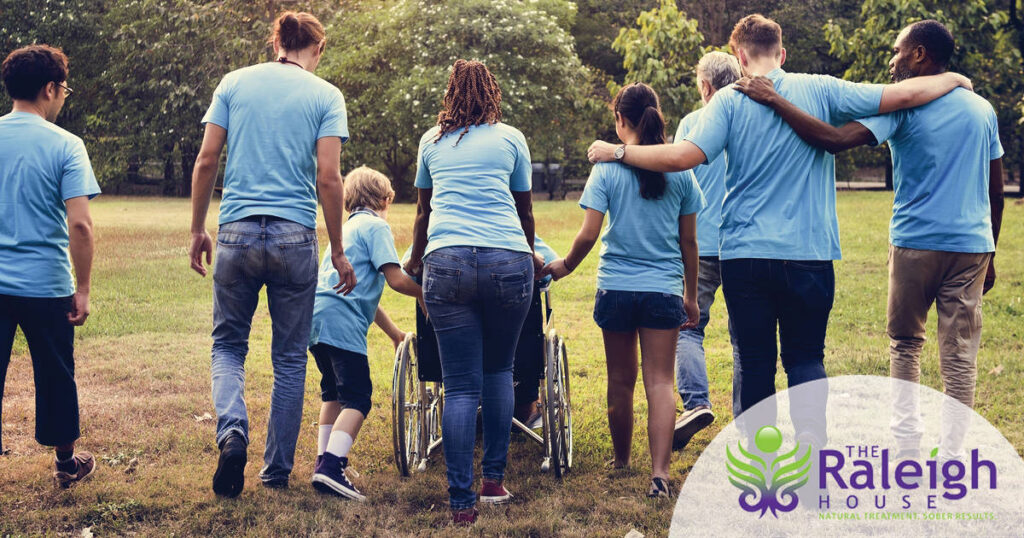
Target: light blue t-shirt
<point>640,243</point>
<point>473,181</point>
<point>780,192</point>
<point>342,321</point>
<point>940,161</point>
<point>274,114</point>
<point>41,166</point>
<point>711,178</point>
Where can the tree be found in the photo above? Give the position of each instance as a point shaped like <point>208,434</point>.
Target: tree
<point>395,68</point>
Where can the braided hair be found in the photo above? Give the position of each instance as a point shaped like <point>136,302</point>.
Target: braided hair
<point>472,98</point>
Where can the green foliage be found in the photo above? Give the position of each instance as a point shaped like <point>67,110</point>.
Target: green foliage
<point>396,63</point>
<point>663,51</point>
<point>597,25</point>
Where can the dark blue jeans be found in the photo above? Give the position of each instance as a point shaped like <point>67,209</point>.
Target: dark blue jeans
<point>477,299</point>
<point>281,255</point>
<point>791,299</point>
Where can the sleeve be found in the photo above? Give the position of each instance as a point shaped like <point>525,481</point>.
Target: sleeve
<point>851,100</point>
<point>595,194</point>
<point>423,179</point>
<point>693,198</point>
<point>522,171</point>
<point>78,178</point>
<point>711,133</point>
<point>882,126</point>
<point>217,114</point>
<point>381,246</point>
<point>335,119</point>
<point>542,248</point>
<point>995,147</point>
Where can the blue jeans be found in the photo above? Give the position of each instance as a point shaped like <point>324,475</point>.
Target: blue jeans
<point>477,299</point>
<point>792,299</point>
<point>282,255</point>
<point>691,368</point>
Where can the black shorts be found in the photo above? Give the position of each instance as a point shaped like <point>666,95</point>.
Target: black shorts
<point>345,377</point>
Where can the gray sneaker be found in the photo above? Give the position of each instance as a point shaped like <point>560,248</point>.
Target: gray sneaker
<point>689,423</point>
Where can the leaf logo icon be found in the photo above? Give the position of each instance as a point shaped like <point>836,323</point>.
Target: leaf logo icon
<point>768,486</point>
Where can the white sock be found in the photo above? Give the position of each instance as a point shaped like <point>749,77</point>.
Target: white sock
<point>340,443</point>
<point>321,441</point>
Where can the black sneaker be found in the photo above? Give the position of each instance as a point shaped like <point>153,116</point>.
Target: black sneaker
<point>329,477</point>
<point>689,423</point>
<point>229,478</point>
<point>276,483</point>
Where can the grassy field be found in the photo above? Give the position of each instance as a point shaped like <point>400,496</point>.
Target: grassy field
<point>143,376</point>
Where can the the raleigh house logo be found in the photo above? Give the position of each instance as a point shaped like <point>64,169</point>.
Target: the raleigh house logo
<point>769,485</point>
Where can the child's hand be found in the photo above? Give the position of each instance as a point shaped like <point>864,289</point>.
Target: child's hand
<point>555,269</point>
<point>692,313</point>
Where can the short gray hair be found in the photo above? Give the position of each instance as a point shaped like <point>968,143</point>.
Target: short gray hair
<point>719,69</point>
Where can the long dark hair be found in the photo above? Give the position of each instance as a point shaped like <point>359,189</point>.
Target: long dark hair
<point>473,97</point>
<point>638,104</point>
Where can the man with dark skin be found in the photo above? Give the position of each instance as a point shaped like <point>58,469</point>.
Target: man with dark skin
<point>947,213</point>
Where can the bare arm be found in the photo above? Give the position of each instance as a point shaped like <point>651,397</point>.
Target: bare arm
<point>691,266</point>
<point>383,321</point>
<point>81,246</point>
<point>581,246</point>
<point>332,198</point>
<point>524,208</point>
<point>419,232</point>
<point>812,130</point>
<point>400,282</point>
<point>659,158</point>
<point>204,175</point>
<point>995,200</point>
<point>917,91</point>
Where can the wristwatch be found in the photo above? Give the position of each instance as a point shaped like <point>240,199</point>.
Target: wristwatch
<point>620,152</point>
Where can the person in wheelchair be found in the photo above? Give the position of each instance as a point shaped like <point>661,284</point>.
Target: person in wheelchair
<point>341,322</point>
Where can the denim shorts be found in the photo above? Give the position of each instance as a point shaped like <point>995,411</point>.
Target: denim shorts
<point>627,311</point>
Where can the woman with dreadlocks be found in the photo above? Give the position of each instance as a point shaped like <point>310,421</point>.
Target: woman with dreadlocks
<point>473,242</point>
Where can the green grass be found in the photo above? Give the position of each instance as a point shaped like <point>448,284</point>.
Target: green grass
<point>143,373</point>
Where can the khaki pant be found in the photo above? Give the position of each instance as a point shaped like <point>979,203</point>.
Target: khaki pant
<point>954,282</point>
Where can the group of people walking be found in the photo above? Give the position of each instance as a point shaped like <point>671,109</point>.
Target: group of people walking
<point>756,216</point>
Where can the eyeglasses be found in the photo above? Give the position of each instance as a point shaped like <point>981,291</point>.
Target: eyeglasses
<point>67,91</point>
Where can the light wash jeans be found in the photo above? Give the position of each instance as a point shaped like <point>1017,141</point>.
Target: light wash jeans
<point>282,255</point>
<point>477,299</point>
<point>691,368</point>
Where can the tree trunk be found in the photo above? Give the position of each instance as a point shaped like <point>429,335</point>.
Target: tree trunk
<point>169,182</point>
<point>188,162</point>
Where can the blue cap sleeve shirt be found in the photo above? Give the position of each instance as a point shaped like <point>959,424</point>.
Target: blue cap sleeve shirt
<point>780,194</point>
<point>41,166</point>
<point>941,153</point>
<point>711,178</point>
<point>640,242</point>
<point>274,114</point>
<point>342,321</point>
<point>472,181</point>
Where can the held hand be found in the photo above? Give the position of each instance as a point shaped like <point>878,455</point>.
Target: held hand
<point>538,266</point>
<point>601,152</point>
<point>79,308</point>
<point>346,275</point>
<point>555,269</point>
<point>990,277</point>
<point>692,314</point>
<point>414,268</point>
<point>201,243</point>
<point>760,89</point>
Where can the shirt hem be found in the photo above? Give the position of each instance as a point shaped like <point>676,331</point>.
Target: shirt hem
<point>943,247</point>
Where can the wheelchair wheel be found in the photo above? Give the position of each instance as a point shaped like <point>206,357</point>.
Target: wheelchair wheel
<point>406,408</point>
<point>559,418</point>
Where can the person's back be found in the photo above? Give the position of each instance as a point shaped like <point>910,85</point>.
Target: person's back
<point>274,114</point>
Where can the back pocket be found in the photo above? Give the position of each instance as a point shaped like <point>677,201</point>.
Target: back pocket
<point>512,289</point>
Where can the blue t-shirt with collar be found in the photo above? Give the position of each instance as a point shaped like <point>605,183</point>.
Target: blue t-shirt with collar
<point>274,114</point>
<point>711,178</point>
<point>472,181</point>
<point>780,193</point>
<point>640,243</point>
<point>342,321</point>
<point>940,159</point>
<point>41,166</point>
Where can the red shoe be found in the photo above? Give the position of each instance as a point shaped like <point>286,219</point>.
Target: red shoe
<point>464,517</point>
<point>492,492</point>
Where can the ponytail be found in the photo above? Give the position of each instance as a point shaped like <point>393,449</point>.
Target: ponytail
<point>297,31</point>
<point>638,104</point>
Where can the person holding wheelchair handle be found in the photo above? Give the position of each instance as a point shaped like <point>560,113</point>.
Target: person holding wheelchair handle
<point>648,245</point>
<point>473,242</point>
<point>340,324</point>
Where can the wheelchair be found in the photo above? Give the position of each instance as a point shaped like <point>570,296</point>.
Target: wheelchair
<point>418,395</point>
